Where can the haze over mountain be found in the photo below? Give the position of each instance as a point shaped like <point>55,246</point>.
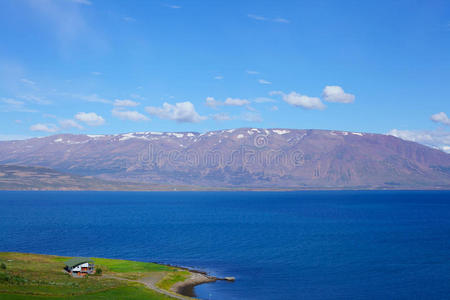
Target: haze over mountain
<point>245,158</point>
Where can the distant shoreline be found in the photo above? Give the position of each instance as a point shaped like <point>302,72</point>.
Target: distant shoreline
<point>176,189</point>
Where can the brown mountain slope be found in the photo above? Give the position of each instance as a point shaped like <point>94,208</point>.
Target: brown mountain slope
<point>277,158</point>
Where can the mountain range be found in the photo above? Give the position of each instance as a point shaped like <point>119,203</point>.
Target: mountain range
<point>244,158</point>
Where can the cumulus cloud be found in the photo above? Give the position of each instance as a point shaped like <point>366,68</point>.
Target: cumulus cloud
<point>211,102</point>
<point>236,102</point>
<point>44,127</point>
<point>334,93</point>
<point>180,112</point>
<point>91,119</point>
<point>129,115</point>
<point>218,77</point>
<point>96,73</point>
<point>66,124</point>
<point>274,108</point>
<point>126,103</point>
<point>263,81</point>
<point>441,118</point>
<point>304,101</point>
<point>438,139</point>
<point>252,72</point>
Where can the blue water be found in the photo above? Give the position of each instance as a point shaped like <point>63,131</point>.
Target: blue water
<point>278,245</point>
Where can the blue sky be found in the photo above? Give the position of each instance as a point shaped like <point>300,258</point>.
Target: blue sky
<point>95,66</point>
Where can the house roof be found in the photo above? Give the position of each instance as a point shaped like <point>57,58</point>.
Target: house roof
<point>78,261</point>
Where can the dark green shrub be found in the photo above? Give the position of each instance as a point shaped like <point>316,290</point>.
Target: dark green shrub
<point>98,271</point>
<point>3,266</point>
<point>12,279</point>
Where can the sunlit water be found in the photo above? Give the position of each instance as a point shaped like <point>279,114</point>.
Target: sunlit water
<point>278,245</point>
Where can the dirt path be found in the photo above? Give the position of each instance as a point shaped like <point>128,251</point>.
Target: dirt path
<point>150,282</point>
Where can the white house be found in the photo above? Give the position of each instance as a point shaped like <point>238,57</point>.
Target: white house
<point>80,266</point>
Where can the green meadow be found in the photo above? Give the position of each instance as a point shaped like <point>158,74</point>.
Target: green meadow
<point>35,276</point>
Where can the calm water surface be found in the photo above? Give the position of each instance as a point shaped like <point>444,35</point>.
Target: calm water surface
<point>280,245</point>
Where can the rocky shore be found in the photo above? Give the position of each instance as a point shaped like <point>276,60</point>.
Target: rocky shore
<point>186,288</point>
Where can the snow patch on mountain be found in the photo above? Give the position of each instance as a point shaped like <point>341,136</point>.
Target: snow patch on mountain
<point>280,132</point>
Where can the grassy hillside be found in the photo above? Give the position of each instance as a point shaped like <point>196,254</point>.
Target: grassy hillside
<point>34,276</point>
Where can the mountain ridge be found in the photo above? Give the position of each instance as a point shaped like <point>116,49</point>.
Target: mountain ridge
<point>241,158</point>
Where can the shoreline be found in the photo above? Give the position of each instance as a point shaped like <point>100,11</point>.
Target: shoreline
<point>186,287</point>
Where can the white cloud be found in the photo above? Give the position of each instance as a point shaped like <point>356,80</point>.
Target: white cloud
<point>304,101</point>
<point>125,102</point>
<point>334,93</point>
<point>91,119</point>
<point>281,20</point>
<point>44,127</point>
<point>222,117</point>
<point>218,77</point>
<point>27,81</point>
<point>180,112</point>
<point>129,115</point>
<point>441,118</point>
<point>256,17</point>
<point>8,105</point>
<point>252,72</point>
<point>35,99</point>
<point>263,81</point>
<point>96,73</point>
<point>274,108</point>
<point>93,98</point>
<point>12,102</point>
<point>137,96</point>
<point>437,138</point>
<point>211,102</point>
<point>70,124</point>
<point>262,18</point>
<point>236,102</point>
<point>85,2</point>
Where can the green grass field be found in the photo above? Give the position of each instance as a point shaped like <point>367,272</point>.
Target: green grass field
<point>35,276</point>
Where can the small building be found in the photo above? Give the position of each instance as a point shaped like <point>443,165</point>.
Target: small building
<point>80,266</point>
